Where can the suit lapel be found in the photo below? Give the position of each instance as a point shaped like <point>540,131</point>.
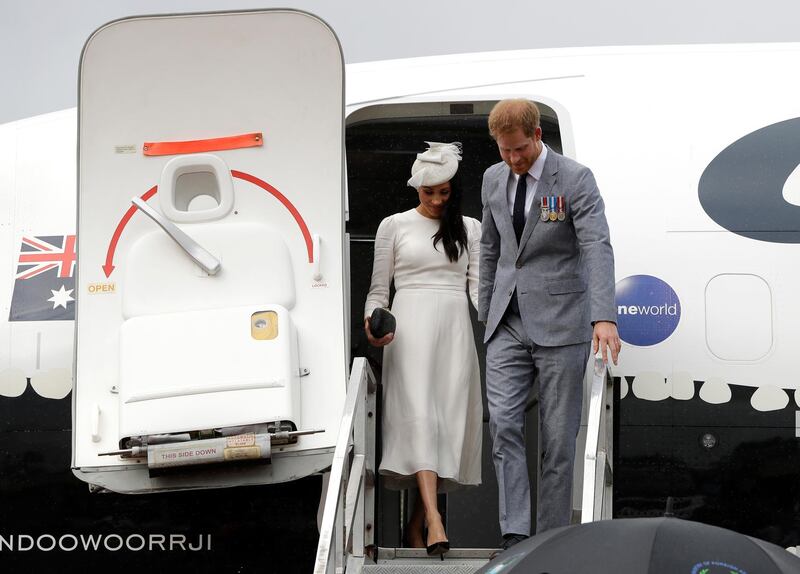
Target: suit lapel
<point>544,189</point>
<point>499,201</point>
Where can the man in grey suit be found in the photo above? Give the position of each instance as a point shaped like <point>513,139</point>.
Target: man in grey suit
<point>546,292</point>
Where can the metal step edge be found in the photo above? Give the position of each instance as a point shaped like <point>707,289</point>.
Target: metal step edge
<point>420,554</point>
<point>420,568</point>
<point>417,561</point>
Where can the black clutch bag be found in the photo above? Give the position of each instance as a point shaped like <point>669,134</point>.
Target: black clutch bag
<point>381,323</point>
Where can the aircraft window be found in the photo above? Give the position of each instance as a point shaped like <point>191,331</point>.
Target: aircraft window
<point>738,317</point>
<point>196,191</point>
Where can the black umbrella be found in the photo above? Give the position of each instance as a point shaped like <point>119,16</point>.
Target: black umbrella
<point>643,546</point>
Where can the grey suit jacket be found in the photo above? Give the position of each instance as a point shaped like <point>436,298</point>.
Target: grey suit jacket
<point>563,271</point>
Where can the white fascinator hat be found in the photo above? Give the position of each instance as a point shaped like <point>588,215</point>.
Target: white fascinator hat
<point>438,164</point>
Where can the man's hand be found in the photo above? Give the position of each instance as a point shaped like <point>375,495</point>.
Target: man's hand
<point>606,337</point>
<point>383,341</point>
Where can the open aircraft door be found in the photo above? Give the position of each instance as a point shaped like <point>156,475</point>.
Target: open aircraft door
<point>211,336</point>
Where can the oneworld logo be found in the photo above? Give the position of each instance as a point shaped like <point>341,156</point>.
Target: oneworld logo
<point>716,567</point>
<point>648,310</point>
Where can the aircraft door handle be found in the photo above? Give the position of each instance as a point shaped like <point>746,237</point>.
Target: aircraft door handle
<point>95,414</point>
<point>315,243</point>
<point>194,250</point>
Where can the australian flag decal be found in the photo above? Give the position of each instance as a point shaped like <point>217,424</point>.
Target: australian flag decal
<point>44,287</point>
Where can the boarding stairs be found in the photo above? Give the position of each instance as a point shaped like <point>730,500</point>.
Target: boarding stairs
<point>347,532</point>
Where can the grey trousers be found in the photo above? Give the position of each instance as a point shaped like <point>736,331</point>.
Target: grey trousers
<point>512,362</point>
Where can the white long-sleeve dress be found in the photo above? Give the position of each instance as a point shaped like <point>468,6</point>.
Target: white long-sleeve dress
<point>432,410</point>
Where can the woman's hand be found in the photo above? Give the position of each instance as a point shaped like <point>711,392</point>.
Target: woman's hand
<point>382,342</point>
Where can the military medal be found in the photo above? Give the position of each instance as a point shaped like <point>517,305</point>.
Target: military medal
<point>562,214</point>
<point>553,215</point>
<point>545,209</point>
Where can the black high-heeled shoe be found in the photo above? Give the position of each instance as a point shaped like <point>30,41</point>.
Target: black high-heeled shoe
<point>438,549</point>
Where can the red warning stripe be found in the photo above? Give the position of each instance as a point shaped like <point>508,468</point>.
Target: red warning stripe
<point>198,146</point>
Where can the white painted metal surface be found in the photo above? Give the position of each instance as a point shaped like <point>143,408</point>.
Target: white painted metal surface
<point>196,377</point>
<point>37,198</point>
<point>167,347</point>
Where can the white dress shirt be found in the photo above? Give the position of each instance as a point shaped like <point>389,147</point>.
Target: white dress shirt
<point>535,173</point>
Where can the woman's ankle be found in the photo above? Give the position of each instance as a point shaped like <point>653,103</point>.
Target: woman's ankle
<point>436,531</point>
<point>432,517</point>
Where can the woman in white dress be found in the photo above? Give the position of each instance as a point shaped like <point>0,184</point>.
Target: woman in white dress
<point>433,413</point>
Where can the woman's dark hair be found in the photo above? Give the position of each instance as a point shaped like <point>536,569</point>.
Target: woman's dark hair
<point>452,232</point>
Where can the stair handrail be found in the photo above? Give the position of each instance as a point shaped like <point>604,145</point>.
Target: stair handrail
<point>347,518</point>
<point>597,470</point>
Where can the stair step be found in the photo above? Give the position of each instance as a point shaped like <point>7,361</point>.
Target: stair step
<point>419,568</point>
<point>416,560</point>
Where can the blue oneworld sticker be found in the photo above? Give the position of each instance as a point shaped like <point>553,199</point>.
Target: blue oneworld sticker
<point>648,310</point>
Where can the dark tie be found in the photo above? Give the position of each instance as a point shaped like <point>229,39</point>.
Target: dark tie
<point>519,206</point>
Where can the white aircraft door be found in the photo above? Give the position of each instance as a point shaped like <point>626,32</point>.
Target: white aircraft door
<point>210,325</point>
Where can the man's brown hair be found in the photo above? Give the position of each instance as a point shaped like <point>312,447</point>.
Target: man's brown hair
<point>508,115</point>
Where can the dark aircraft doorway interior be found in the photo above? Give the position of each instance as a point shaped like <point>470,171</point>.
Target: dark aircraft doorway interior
<point>381,143</point>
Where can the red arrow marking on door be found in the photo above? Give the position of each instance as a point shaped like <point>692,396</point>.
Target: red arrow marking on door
<point>108,268</point>
<point>286,203</point>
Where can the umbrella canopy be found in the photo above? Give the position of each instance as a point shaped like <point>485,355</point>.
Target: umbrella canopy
<point>643,546</point>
